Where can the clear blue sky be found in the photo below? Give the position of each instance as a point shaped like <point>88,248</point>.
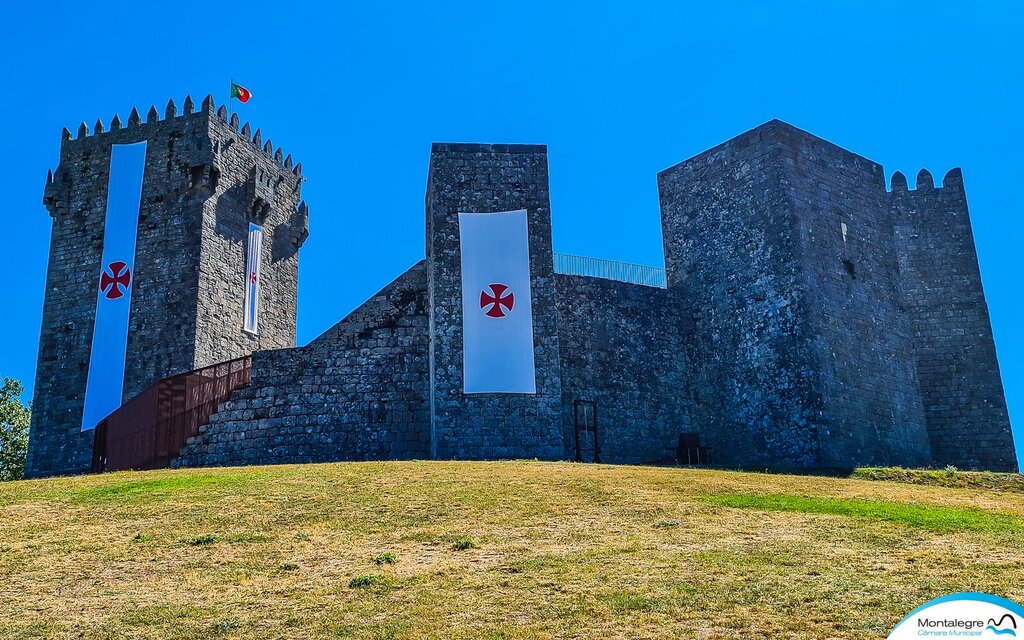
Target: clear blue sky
<point>617,91</point>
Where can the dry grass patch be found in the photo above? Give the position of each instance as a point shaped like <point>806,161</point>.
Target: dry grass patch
<point>557,550</point>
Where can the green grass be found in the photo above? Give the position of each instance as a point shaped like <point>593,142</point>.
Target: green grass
<point>366,581</point>
<point>386,558</point>
<point>931,517</point>
<point>496,550</point>
<point>197,541</point>
<point>948,477</point>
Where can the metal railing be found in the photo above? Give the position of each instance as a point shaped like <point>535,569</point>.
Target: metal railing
<point>609,270</point>
<point>149,430</point>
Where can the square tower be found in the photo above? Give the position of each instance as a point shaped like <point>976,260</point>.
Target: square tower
<point>781,246</point>
<point>488,178</point>
<point>204,181</point>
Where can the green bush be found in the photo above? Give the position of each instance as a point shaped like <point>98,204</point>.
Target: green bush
<point>14,419</point>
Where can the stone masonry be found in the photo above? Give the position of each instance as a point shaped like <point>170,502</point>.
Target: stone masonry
<point>811,319</point>
<point>782,246</point>
<point>204,181</point>
<point>953,348</point>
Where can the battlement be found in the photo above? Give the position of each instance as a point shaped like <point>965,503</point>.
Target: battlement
<point>953,179</point>
<point>194,144</point>
<point>207,110</point>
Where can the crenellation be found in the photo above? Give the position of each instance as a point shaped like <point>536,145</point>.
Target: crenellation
<point>898,182</point>
<point>924,180</point>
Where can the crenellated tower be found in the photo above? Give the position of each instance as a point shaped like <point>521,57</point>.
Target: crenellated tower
<point>965,409</point>
<point>205,179</point>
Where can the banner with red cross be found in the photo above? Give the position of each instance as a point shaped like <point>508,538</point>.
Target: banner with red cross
<point>497,315</point>
<point>105,382</point>
<point>251,311</point>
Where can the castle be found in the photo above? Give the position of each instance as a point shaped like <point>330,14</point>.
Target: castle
<point>807,317</point>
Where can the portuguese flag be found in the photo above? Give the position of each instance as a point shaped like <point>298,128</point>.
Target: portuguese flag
<point>240,92</point>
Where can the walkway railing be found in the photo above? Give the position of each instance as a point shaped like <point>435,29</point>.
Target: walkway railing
<point>149,430</point>
<point>609,270</point>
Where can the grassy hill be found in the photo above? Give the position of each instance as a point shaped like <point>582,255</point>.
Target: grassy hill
<point>494,550</point>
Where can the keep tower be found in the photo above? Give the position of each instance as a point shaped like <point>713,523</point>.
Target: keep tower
<point>205,179</point>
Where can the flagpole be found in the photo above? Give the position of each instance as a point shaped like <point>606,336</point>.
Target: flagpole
<point>230,98</point>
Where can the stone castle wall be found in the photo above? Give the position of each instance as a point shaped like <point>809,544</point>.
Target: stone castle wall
<point>955,354</point>
<point>811,318</point>
<point>858,332</point>
<point>482,178</point>
<point>358,392</point>
<point>189,268</point>
<point>732,251</point>
<point>621,347</point>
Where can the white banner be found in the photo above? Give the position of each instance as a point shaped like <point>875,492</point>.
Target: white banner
<point>105,383</point>
<point>497,319</point>
<point>252,279</point>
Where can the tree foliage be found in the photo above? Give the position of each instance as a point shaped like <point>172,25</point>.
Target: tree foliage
<point>14,419</point>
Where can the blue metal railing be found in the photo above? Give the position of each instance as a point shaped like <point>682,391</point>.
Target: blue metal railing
<point>609,270</point>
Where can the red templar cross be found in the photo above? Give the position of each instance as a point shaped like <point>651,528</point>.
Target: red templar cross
<point>497,299</point>
<point>252,277</point>
<point>115,280</point>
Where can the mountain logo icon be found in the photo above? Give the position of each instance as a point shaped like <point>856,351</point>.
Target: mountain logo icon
<point>1006,626</point>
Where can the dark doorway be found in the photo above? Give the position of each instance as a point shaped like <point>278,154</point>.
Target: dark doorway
<point>588,446</point>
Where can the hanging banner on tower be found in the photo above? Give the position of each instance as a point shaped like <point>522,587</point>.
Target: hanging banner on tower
<point>497,319</point>
<point>105,382</point>
<point>252,279</point>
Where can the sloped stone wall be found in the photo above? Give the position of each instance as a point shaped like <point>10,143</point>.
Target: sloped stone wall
<point>358,392</point>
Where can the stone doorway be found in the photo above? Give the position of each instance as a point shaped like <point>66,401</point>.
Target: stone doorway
<point>588,445</point>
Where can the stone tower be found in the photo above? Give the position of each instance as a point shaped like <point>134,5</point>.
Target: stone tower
<point>484,178</point>
<point>782,247</point>
<point>961,387</point>
<point>204,181</point>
